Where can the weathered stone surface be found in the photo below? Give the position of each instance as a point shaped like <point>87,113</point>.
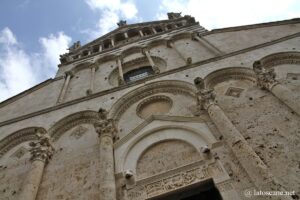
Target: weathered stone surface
<point>157,135</point>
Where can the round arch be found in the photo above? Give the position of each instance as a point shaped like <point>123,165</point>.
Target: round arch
<point>169,86</point>
<point>235,73</point>
<point>18,137</point>
<point>71,121</point>
<point>106,58</point>
<point>81,66</point>
<point>181,36</point>
<point>139,145</point>
<point>289,57</point>
<point>157,43</point>
<point>131,50</point>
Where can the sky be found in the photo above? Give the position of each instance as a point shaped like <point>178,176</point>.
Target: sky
<point>33,33</point>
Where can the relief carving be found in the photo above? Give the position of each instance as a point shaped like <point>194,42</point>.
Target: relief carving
<point>206,97</point>
<point>180,179</point>
<point>104,126</point>
<point>19,153</point>
<point>42,149</point>
<point>78,132</point>
<point>265,77</point>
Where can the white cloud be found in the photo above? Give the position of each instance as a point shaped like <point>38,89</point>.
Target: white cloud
<point>111,11</point>
<point>217,14</point>
<point>20,70</point>
<point>53,46</point>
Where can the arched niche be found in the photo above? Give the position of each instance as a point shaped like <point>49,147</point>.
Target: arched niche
<point>286,64</point>
<point>81,66</point>
<point>135,64</point>
<point>18,137</point>
<point>70,121</point>
<point>154,141</point>
<point>127,53</point>
<point>164,156</point>
<point>15,161</point>
<point>231,81</point>
<point>181,36</point>
<point>76,159</point>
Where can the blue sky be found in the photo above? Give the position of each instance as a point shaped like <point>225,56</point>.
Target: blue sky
<point>33,33</point>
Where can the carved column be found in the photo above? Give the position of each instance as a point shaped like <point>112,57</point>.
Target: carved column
<point>153,30</point>
<point>151,62</point>
<point>188,60</point>
<point>93,70</point>
<point>112,42</point>
<point>207,44</point>
<point>68,76</point>
<point>41,152</point>
<point>126,35</point>
<point>141,33</point>
<point>100,48</point>
<point>250,161</point>
<point>266,80</point>
<point>106,131</point>
<point>120,69</point>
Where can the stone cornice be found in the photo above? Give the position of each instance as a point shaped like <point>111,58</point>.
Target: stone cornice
<point>109,91</point>
<point>253,26</point>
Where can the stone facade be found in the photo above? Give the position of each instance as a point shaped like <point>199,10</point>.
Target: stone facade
<point>160,110</point>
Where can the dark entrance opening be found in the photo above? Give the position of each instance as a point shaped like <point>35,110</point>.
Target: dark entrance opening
<point>199,191</point>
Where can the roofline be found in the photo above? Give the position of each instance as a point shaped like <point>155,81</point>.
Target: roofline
<point>252,26</point>
<point>132,25</point>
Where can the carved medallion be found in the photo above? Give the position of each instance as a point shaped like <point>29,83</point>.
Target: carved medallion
<point>19,153</point>
<point>234,92</point>
<point>78,132</point>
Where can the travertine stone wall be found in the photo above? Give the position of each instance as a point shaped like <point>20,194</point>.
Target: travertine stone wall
<point>164,156</point>
<point>145,145</point>
<point>14,167</point>
<point>269,126</point>
<point>178,108</point>
<point>75,165</point>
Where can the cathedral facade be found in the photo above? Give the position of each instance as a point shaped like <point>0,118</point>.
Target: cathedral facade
<point>161,110</point>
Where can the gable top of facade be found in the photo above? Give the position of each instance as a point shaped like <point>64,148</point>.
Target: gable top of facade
<point>127,33</point>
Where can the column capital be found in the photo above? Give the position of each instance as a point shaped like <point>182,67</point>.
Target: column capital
<point>69,73</point>
<point>145,50</point>
<point>170,44</point>
<point>104,127</point>
<point>265,77</point>
<point>206,97</point>
<point>42,149</point>
<point>94,65</point>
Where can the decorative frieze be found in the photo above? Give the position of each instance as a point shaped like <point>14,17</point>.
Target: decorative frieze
<point>179,178</point>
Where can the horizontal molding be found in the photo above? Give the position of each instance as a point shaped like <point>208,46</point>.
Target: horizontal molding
<point>112,90</point>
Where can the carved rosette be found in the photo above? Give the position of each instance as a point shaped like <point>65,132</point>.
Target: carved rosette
<point>206,97</point>
<point>265,77</point>
<point>42,149</point>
